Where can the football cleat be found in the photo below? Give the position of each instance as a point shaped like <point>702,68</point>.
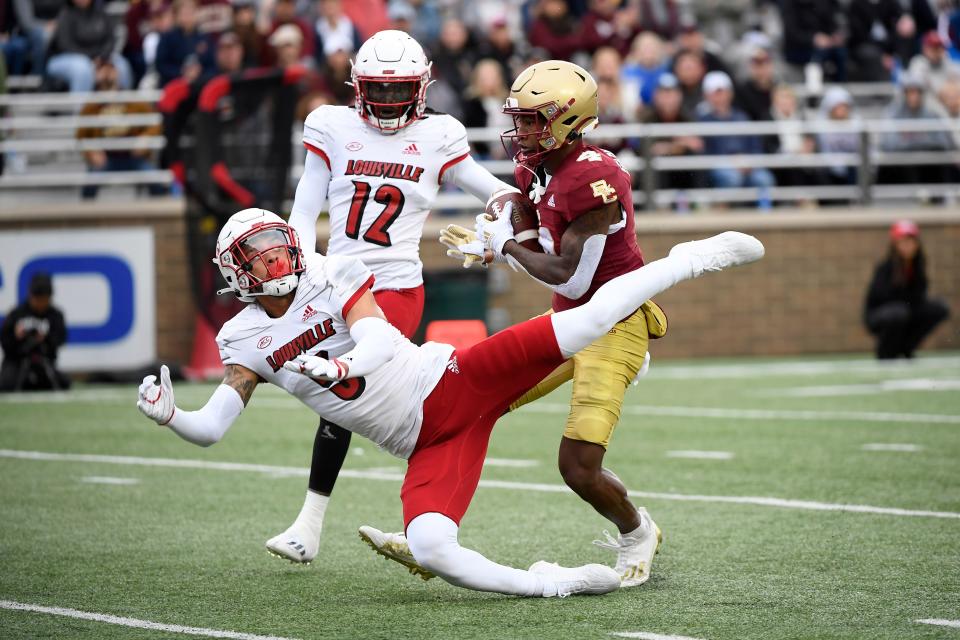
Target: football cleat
<point>634,553</point>
<point>590,579</point>
<point>722,251</point>
<point>393,546</point>
<point>291,546</point>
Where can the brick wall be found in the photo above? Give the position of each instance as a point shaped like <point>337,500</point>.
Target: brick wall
<point>806,295</point>
<point>174,303</point>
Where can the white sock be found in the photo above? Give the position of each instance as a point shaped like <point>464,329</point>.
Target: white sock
<point>433,541</point>
<point>617,299</point>
<point>310,519</point>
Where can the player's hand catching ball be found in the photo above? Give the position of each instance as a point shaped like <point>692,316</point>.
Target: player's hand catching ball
<point>318,368</point>
<point>155,399</point>
<point>463,244</point>
<point>496,232</point>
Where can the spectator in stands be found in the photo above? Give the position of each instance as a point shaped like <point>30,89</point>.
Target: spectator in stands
<point>690,69</point>
<point>82,41</point>
<point>483,106</point>
<point>245,26</point>
<point>497,44</point>
<point>333,31</point>
<point>897,310</point>
<point>161,21</point>
<point>666,107</point>
<point>754,93</point>
<point>837,107</point>
<point>607,24</point>
<point>932,64</point>
<point>285,13</point>
<point>453,56</point>
<point>426,21</point>
<point>785,110</point>
<point>99,160</point>
<point>368,16</point>
<point>402,16</point>
<point>31,335</point>
<point>336,71</point>
<point>37,21</point>
<point>910,106</point>
<point>691,38</point>
<point>554,29</point>
<point>614,106</point>
<point>661,17</point>
<point>718,107</point>
<point>812,34</point>
<point>287,43</point>
<point>230,54</point>
<point>643,67</point>
<point>184,50</point>
<point>875,26</point>
<point>214,16</point>
<point>138,23</point>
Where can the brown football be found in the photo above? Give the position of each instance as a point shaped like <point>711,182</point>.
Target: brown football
<point>525,221</point>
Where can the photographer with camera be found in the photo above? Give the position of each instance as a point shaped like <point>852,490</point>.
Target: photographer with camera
<point>31,335</point>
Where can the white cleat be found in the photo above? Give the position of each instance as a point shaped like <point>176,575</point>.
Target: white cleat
<point>293,546</point>
<point>590,579</point>
<point>393,546</point>
<point>634,553</point>
<point>722,251</point>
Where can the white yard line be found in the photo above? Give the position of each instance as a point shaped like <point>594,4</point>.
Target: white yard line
<point>490,484</point>
<point>510,462</point>
<point>762,414</point>
<point>109,480</point>
<point>802,368</point>
<point>882,446</point>
<point>646,635</point>
<point>701,455</point>
<point>940,623</point>
<point>910,385</point>
<point>134,622</point>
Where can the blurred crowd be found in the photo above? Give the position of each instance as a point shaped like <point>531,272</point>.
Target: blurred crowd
<point>656,61</point>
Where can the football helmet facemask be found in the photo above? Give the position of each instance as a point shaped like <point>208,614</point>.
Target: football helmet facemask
<point>552,104</point>
<point>390,78</point>
<point>258,255</point>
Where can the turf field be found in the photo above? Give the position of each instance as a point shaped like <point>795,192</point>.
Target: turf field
<point>798,499</point>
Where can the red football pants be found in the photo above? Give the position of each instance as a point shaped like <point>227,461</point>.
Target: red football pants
<point>458,416</point>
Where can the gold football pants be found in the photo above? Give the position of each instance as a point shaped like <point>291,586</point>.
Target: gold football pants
<point>601,373</point>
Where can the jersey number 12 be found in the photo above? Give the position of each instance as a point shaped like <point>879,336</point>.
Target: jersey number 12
<point>388,195</point>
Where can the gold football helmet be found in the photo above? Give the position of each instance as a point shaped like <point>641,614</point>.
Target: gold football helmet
<point>563,95</point>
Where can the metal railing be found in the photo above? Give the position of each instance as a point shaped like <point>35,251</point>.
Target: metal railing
<point>643,163</point>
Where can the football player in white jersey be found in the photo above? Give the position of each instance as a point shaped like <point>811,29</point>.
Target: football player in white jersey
<point>314,329</point>
<point>380,164</point>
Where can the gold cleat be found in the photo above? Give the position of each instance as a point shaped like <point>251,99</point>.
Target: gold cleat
<point>393,546</point>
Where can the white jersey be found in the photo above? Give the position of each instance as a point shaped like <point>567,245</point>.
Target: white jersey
<point>385,406</point>
<point>383,186</point>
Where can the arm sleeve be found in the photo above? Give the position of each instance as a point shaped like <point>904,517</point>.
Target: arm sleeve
<point>208,425</point>
<point>309,200</point>
<point>350,279</point>
<point>470,176</point>
<point>374,346</point>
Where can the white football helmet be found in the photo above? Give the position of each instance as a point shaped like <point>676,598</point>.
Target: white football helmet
<point>390,76</point>
<point>259,255</point>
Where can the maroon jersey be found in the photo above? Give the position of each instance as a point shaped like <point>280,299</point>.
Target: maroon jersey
<point>588,178</point>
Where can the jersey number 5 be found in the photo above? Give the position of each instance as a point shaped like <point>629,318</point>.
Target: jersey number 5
<point>388,195</point>
<point>349,389</point>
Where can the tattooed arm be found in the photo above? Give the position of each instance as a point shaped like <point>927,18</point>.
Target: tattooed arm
<point>209,424</point>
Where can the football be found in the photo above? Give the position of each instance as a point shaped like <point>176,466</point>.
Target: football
<point>525,221</point>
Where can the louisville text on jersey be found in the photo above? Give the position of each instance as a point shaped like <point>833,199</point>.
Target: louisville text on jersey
<point>377,169</point>
<point>301,344</point>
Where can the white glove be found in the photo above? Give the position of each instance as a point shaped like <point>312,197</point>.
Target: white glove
<point>496,233</point>
<point>644,368</point>
<point>463,244</point>
<point>317,368</point>
<point>156,400</point>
